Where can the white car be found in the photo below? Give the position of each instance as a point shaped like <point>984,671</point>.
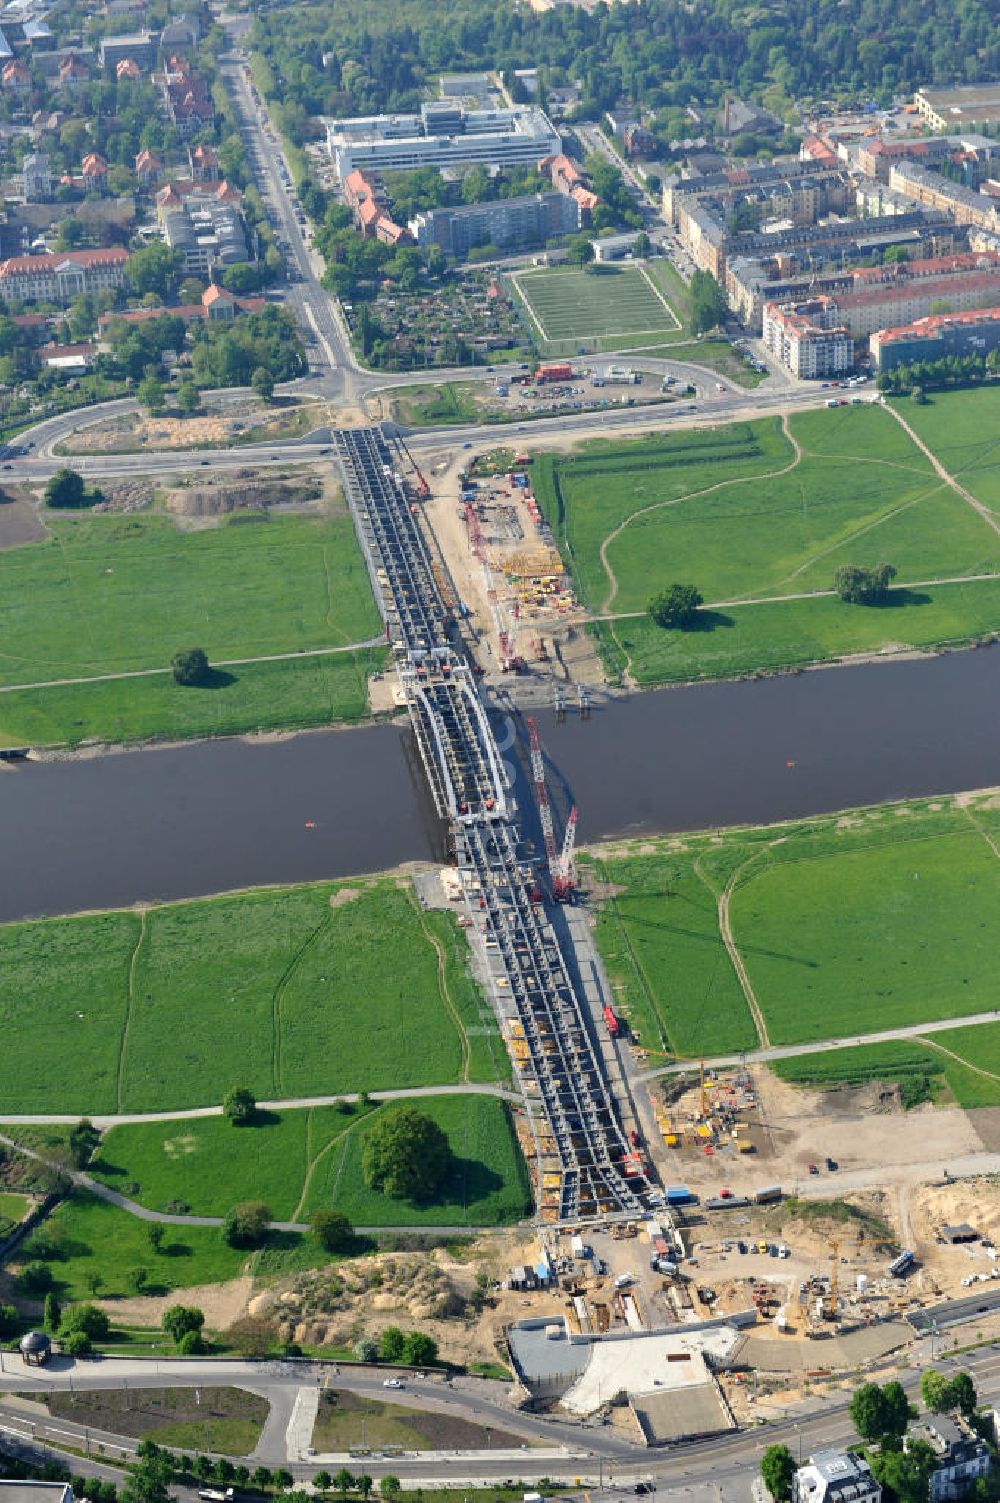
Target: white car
<point>392,1383</point>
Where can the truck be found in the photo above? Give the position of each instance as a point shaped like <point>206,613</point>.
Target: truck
<point>559,371</point>
<point>611,1020</point>
<point>680,1195</point>
<point>767,1195</point>
<point>901,1266</point>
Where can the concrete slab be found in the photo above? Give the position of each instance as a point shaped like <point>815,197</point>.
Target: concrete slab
<point>682,1414</point>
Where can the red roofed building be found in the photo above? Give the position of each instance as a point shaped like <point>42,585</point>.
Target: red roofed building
<point>204,162</point>
<point>73,72</point>
<point>60,277</point>
<point>567,178</point>
<point>148,168</point>
<point>216,304</point>
<point>95,173</point>
<point>16,76</point>
<point>128,68</point>
<point>809,338</point>
<point>974,332</point>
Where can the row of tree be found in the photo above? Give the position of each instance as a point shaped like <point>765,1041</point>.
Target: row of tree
<point>939,375</point>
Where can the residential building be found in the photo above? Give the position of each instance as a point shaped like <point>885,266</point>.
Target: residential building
<point>509,223</point>
<point>808,338</point>
<point>873,303</point>
<point>204,162</point>
<point>217,306</point>
<point>187,99</point>
<point>183,31</point>
<point>369,202</point>
<point>971,105</point>
<point>568,179</point>
<point>835,1477</point>
<point>975,332</point>
<point>95,173</point>
<point>960,1454</point>
<point>140,46</point>
<point>443,134</point>
<point>738,118</point>
<point>36,178</point>
<point>60,277</point>
<point>128,68</point>
<point>965,205</point>
<point>73,72</point>
<point>208,232</point>
<point>148,168</point>
<point>16,77</point>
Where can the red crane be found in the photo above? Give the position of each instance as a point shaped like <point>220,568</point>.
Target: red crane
<point>560,863</point>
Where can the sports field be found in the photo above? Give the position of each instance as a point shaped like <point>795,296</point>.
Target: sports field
<point>300,1161</point>
<point>105,595</point>
<point>138,1012</point>
<point>878,919</point>
<point>573,304</point>
<point>759,516</point>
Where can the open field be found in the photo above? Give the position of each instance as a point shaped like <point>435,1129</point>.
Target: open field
<point>568,303</point>
<point>136,1012</point>
<point>244,422</point>
<point>289,694</point>
<point>877,919</point>
<point>105,594</point>
<point>430,405</point>
<point>300,1161</point>
<point>766,512</point>
<point>961,429</point>
<point>221,1420</point>
<point>346,1420</point>
<point>921,1069</point>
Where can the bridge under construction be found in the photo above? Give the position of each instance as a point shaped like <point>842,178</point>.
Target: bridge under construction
<point>587,1168</point>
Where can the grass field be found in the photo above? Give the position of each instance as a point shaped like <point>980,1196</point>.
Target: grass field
<point>299,1161</point>
<point>921,1067</point>
<point>427,406</point>
<point>881,918</point>
<point>226,1421</point>
<point>137,1013</point>
<point>346,1420</point>
<point>571,303</point>
<point>113,594</point>
<point>739,512</point>
<point>961,428</point>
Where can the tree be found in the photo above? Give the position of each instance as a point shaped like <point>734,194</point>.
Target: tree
<point>935,1391</point>
<point>777,1468</point>
<point>9,1320</point>
<point>406,1155</point>
<point>642,245</point>
<point>190,666</point>
<point>53,1313</point>
<point>676,608</point>
<point>905,1475</point>
<point>860,586</point>
<point>35,1278</point>
<point>65,489</point>
<point>917,393</point>
<point>322,1481</point>
<point>868,1411</point>
<point>179,1320</point>
<point>83,1139</point>
<point>150,394</point>
<point>579,250</point>
<point>391,1344</point>
<point>240,1105</point>
<point>154,268</point>
<point>390,1487</point>
<point>283,1479</point>
<point>898,1409</point>
<point>154,1235</point>
<point>260,1477</point>
<point>364,1484</point>
<point>246,1224</point>
<point>91,1319</point>
<point>365,1349</point>
<point>191,1344</point>
<point>963,1394</point>
<point>333,1231</point>
<point>253,1336</point>
<point>343,1481</point>
<point>188,398</point>
<point>137,1279</point>
<point>708,302</point>
<point>77,1344</point>
<point>420,1350</point>
<point>263,383</point>
<point>148,1481</point>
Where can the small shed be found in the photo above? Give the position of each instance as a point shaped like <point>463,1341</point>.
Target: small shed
<point>36,1348</point>
<point>961,1233</point>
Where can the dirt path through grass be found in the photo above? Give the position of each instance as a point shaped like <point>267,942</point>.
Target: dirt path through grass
<point>279,992</point>
<point>946,475</point>
<point>723,900</point>
<point>129,1006</point>
<point>443,992</point>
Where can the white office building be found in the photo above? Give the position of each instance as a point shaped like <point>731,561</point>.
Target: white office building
<point>835,1477</point>
<point>444,134</point>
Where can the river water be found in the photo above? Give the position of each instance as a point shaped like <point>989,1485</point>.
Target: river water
<point>184,821</point>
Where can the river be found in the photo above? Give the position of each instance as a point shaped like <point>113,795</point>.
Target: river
<point>189,820</point>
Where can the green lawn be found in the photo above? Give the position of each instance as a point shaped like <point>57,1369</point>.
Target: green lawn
<point>285,695</point>
<point>921,1068</point>
<point>735,511</point>
<point>877,919</point>
<point>428,406</point>
<point>737,640</point>
<point>221,1420</point>
<point>112,594</point>
<point>299,1161</point>
<point>138,1014</point>
<point>961,427</point>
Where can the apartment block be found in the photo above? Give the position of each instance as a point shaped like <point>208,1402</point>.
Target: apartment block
<point>509,223</point>
<point>808,338</point>
<point>976,332</point>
